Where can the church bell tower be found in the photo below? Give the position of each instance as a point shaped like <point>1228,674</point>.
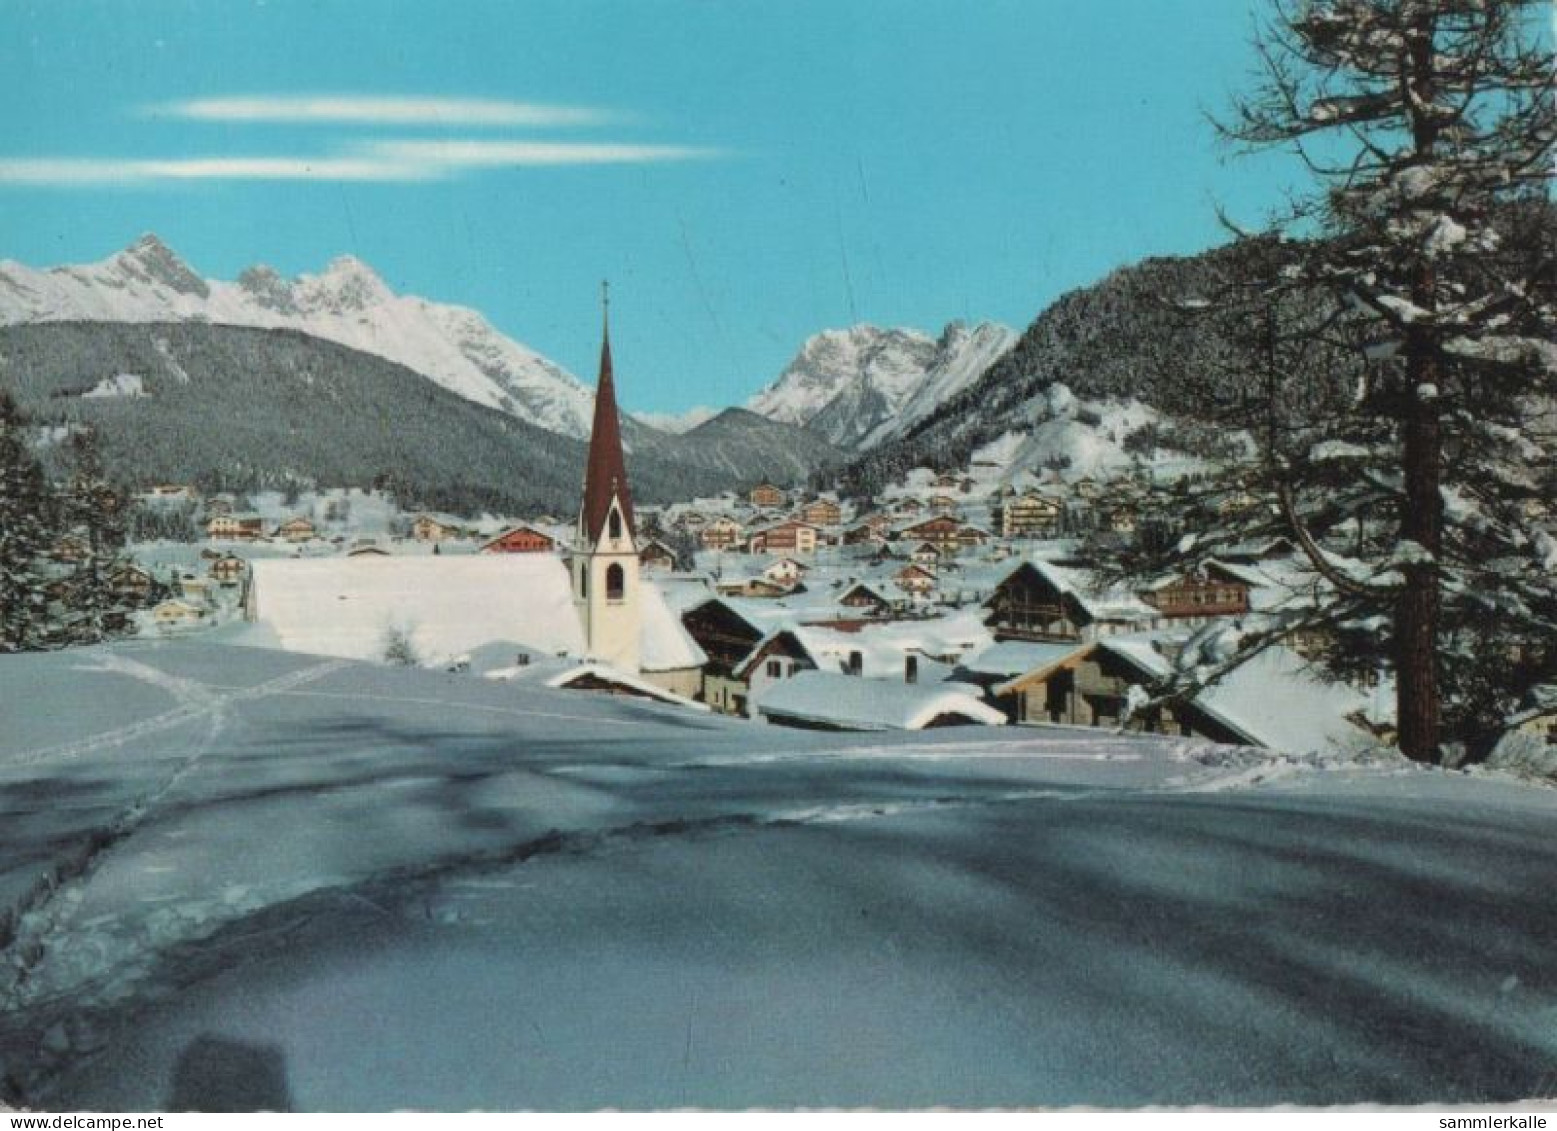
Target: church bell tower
<point>604,562</point>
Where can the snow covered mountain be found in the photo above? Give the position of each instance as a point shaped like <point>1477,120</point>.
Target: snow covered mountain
<point>858,386</point>
<point>347,303</point>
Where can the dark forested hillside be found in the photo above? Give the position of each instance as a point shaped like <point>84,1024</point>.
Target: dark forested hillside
<point>1180,334</point>
<point>250,409</point>
<point>1142,332</point>
<point>744,447</point>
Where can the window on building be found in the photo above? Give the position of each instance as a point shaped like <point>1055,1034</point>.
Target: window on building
<point>614,523</point>
<point>776,669</point>
<point>583,580</point>
<point>616,581</point>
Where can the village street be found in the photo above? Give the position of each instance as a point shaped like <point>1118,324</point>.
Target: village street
<point>235,876</point>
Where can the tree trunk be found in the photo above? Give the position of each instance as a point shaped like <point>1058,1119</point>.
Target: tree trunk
<point>1416,617</point>
<point>1417,707</point>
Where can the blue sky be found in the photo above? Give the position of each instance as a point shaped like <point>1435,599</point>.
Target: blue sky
<point>745,173</point>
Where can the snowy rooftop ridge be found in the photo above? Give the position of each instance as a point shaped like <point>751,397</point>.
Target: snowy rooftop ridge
<point>855,703</point>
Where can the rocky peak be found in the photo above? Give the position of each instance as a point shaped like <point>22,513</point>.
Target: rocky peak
<point>150,260</point>
<point>267,288</point>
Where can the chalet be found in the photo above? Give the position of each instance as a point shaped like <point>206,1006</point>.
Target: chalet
<point>427,527</point>
<point>946,482</point>
<point>758,588</point>
<point>177,613</point>
<point>727,638</point>
<point>235,528</point>
<point>1086,686</point>
<point>908,505</point>
<point>821,512</point>
<point>194,588</point>
<point>863,534</point>
<point>943,532</point>
<point>767,495</point>
<point>915,579</point>
<point>172,493</point>
<point>721,533</point>
<point>1030,516</point>
<point>132,584</point>
<point>297,529</point>
<point>943,504</point>
<point>1197,596</point>
<point>1272,701</point>
<point>969,536</point>
<point>788,537</point>
<point>228,569</point>
<point>522,539</point>
<point>869,599</point>
<point>776,656</point>
<point>656,555</point>
<point>692,521</point>
<point>926,554</point>
<point>785,571</point>
<point>1039,601</point>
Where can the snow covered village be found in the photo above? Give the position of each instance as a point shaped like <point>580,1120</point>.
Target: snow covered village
<point>1154,705</point>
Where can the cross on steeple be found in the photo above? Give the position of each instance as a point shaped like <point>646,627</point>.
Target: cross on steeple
<point>605,300</point>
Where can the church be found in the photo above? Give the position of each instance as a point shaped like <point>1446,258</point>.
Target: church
<point>585,618</point>
<point>604,561</point>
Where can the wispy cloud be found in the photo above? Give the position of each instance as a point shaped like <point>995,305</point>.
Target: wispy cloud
<point>84,172</point>
<point>372,110</point>
<point>356,155</point>
<point>385,161</point>
<point>467,154</point>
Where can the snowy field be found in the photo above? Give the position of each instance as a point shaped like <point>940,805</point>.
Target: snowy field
<point>239,877</point>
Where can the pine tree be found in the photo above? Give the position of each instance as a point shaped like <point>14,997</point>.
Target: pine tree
<point>1402,421</point>
<point>24,535</point>
<point>93,508</point>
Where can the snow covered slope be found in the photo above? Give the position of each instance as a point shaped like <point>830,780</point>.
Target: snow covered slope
<point>853,386</point>
<point>237,879</point>
<point>346,303</point>
<point>1081,438</point>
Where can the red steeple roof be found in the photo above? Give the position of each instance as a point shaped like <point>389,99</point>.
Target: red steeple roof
<point>605,475</point>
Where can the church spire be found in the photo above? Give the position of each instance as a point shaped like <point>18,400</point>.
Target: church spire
<point>605,474</point>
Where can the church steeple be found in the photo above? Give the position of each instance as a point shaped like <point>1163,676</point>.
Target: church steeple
<point>605,474</point>
<point>605,554</point>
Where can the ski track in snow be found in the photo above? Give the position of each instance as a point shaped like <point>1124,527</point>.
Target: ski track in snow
<point>42,917</point>
<point>194,699</point>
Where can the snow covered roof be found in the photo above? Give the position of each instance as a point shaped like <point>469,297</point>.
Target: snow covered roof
<point>562,673</point>
<point>1274,700</point>
<point>446,605</point>
<point>1011,658</point>
<point>1110,604</point>
<point>852,703</point>
<point>663,643</point>
<point>882,647</point>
